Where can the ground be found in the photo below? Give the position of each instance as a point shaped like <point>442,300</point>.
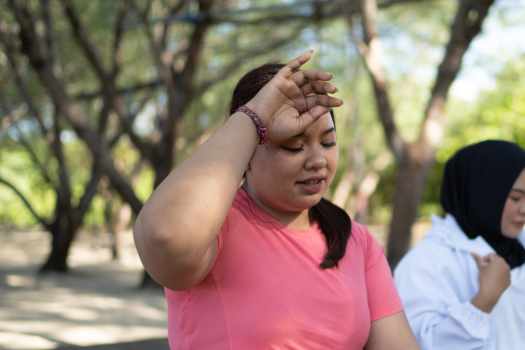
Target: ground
<point>97,306</point>
<point>99,302</point>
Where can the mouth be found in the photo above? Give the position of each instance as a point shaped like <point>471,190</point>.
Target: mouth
<point>312,185</point>
<point>311,181</point>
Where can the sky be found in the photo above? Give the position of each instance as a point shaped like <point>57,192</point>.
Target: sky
<point>492,49</point>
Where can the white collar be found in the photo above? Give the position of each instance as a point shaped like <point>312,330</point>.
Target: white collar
<point>448,232</point>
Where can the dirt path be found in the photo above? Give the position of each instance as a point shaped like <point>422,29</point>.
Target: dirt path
<point>98,303</point>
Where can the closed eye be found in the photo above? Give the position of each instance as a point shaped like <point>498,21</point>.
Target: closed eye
<point>328,144</point>
<point>292,149</point>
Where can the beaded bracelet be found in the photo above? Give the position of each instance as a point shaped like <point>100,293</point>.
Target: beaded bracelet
<point>262,131</point>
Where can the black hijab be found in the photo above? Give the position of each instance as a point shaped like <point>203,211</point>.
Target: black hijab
<point>476,184</point>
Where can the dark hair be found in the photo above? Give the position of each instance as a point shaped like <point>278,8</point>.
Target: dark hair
<point>334,222</point>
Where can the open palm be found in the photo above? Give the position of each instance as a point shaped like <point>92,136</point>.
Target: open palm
<point>293,99</point>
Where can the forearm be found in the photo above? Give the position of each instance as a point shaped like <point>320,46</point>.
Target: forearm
<point>392,333</point>
<point>483,302</point>
<point>186,211</point>
<point>461,326</point>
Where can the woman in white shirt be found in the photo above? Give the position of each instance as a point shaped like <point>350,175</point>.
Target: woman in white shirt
<point>463,285</point>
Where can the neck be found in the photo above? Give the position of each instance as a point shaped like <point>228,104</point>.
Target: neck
<point>291,219</point>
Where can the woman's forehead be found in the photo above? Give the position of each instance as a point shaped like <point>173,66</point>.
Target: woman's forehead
<point>321,125</point>
<point>519,184</point>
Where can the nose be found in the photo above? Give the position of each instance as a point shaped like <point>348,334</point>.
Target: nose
<point>522,207</point>
<point>317,160</point>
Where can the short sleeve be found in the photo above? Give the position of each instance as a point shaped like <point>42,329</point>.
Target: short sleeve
<point>219,240</point>
<point>383,299</point>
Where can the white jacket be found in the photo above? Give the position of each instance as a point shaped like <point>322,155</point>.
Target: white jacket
<point>438,279</point>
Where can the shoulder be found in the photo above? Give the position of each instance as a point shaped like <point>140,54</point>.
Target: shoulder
<point>360,234</point>
<point>428,254</point>
<point>361,238</point>
<point>435,265</point>
<point>363,243</point>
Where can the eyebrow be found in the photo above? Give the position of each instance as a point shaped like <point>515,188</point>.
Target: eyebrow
<point>520,190</point>
<point>327,131</point>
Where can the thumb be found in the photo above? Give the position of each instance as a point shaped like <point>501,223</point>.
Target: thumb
<point>481,261</point>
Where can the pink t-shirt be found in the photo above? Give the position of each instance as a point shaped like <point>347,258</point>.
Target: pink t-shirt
<point>267,291</point>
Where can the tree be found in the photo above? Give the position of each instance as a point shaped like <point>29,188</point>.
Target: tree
<point>56,174</point>
<point>414,159</point>
<point>69,209</point>
<point>175,74</point>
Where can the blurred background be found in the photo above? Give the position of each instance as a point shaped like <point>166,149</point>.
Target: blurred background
<point>100,99</point>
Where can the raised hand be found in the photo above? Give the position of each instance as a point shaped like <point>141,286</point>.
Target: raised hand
<point>494,279</point>
<point>293,99</point>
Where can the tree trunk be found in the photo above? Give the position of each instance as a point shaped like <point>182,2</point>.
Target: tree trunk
<point>163,166</point>
<point>343,191</point>
<point>62,235</point>
<point>110,220</point>
<point>411,176</point>
<point>367,187</point>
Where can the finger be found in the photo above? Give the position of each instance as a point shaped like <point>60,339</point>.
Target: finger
<point>311,115</point>
<point>294,93</point>
<point>491,256</point>
<point>322,100</point>
<point>312,74</point>
<point>478,259</point>
<point>295,64</point>
<point>318,87</point>
<point>302,77</point>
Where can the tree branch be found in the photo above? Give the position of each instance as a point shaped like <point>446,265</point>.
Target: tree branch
<point>465,27</point>
<point>55,88</point>
<point>85,44</point>
<point>370,52</point>
<point>64,184</point>
<point>241,58</point>
<point>34,158</point>
<point>137,87</point>
<point>118,34</point>
<point>162,61</point>
<point>9,50</point>
<point>174,10</point>
<point>24,200</point>
<point>282,14</point>
<point>107,81</point>
<point>194,50</point>
<point>90,190</point>
<point>48,33</point>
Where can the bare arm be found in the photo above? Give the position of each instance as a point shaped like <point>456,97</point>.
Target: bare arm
<point>176,231</point>
<point>391,333</point>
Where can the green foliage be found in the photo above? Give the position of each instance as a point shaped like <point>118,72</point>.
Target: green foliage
<point>21,172</point>
<point>413,37</point>
<point>497,114</point>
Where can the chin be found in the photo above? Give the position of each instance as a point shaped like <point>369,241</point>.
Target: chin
<point>512,233</point>
<point>310,202</point>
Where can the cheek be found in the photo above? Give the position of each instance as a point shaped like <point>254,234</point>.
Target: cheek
<point>333,160</point>
<point>509,212</point>
<point>276,170</point>
<point>510,209</point>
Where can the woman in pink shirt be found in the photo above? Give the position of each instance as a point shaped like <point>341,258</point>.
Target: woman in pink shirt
<point>270,264</point>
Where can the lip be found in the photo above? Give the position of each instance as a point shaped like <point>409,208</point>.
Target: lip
<point>313,178</point>
<point>312,185</point>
